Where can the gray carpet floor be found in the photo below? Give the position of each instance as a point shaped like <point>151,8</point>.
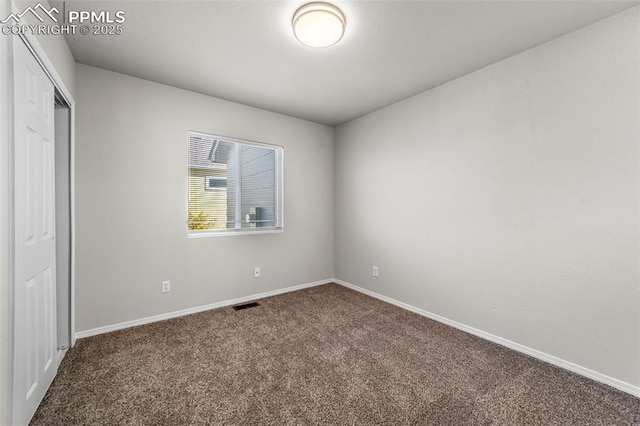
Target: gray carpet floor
<point>324,355</point>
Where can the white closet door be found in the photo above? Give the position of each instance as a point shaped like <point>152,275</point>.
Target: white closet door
<point>35,288</point>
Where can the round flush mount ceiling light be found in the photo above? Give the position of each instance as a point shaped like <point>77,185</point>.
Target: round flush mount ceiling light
<point>318,24</point>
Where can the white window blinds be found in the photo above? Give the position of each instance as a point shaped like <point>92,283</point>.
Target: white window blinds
<point>233,185</point>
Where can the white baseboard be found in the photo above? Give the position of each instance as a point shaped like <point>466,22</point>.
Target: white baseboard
<point>189,311</point>
<point>594,375</point>
<point>60,355</point>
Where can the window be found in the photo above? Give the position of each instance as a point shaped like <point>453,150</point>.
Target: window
<point>234,186</point>
<point>215,182</point>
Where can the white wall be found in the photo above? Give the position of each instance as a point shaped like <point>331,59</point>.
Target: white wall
<point>131,202</point>
<point>508,199</point>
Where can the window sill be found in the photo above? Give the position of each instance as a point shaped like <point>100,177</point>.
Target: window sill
<point>230,232</point>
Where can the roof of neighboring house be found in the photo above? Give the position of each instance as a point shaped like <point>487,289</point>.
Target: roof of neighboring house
<point>208,153</point>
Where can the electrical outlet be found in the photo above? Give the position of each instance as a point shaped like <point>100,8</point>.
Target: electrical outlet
<point>166,286</point>
<point>256,272</point>
<point>375,271</point>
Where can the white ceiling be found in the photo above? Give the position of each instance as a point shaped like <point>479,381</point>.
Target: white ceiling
<point>245,51</point>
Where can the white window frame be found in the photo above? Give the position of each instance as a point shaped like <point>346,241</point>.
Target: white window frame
<point>279,188</point>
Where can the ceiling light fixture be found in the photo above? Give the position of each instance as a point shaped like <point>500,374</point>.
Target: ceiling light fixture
<point>318,24</point>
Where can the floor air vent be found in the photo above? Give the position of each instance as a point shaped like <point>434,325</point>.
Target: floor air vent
<point>246,305</point>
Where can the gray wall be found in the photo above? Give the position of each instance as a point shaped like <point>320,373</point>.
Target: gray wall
<point>63,224</point>
<point>507,200</point>
<point>131,205</point>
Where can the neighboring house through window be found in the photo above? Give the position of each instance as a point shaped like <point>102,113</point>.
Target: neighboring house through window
<point>234,185</point>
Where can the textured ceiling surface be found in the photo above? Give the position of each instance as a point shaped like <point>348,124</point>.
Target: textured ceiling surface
<point>244,51</point>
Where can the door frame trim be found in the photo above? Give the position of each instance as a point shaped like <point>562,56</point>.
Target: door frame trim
<point>47,65</point>
<point>8,243</point>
